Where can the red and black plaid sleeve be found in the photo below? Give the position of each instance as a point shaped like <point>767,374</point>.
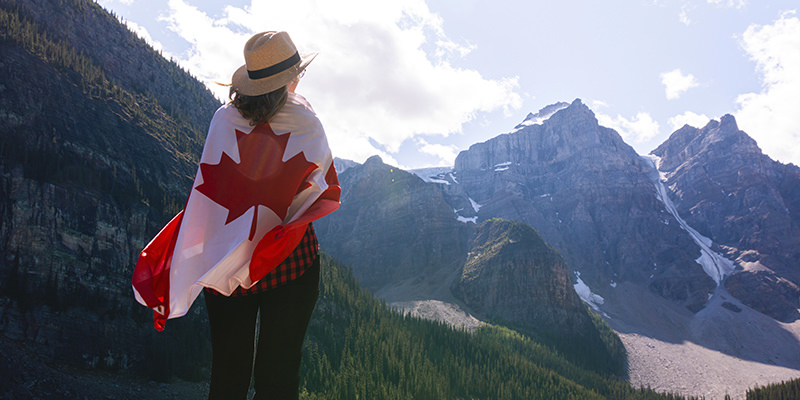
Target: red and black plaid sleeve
<point>290,269</point>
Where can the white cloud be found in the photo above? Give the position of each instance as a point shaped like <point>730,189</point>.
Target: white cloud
<point>639,129</point>
<point>684,16</point>
<point>384,70</point>
<point>771,117</point>
<point>145,35</point>
<point>107,4</point>
<point>729,3</point>
<point>598,104</point>
<point>688,118</point>
<point>446,154</point>
<point>676,83</point>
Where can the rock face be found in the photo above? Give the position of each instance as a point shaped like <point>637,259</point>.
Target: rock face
<point>91,169</point>
<point>391,226</point>
<point>591,197</point>
<point>511,274</point>
<point>748,204</point>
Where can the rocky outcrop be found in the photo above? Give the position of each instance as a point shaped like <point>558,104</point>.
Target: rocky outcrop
<point>511,274</point>
<point>749,205</point>
<point>591,197</point>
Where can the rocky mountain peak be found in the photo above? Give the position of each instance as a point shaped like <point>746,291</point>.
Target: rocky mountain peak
<point>729,191</point>
<point>570,134</point>
<point>390,214</point>
<point>543,114</point>
<point>577,109</point>
<point>728,130</point>
<point>720,138</point>
<point>374,162</point>
<point>728,123</point>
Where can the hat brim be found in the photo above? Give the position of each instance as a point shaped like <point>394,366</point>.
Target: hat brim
<point>242,83</point>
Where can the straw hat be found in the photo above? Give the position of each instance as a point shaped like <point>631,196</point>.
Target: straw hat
<point>271,62</point>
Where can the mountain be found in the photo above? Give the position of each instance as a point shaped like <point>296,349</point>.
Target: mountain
<point>406,242</point>
<point>509,268</point>
<point>392,227</point>
<point>512,276</point>
<point>100,140</point>
<point>591,197</point>
<point>727,189</point>
<point>692,244</point>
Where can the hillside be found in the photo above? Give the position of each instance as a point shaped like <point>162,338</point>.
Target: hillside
<point>513,277</point>
<point>91,169</point>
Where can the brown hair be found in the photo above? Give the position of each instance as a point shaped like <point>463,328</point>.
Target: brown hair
<point>259,108</point>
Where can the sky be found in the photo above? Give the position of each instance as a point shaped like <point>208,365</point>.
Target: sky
<point>418,81</point>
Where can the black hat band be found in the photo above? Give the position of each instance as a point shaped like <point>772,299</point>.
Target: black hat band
<point>274,69</point>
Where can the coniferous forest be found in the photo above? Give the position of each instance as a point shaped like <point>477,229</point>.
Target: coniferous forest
<point>777,391</point>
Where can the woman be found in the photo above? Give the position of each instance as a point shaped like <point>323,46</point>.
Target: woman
<point>245,234</point>
<point>263,93</point>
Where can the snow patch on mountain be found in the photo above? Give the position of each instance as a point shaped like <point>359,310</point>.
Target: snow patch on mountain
<point>585,293</point>
<point>463,219</point>
<point>541,116</point>
<point>713,263</point>
<point>475,206</point>
<point>474,220</point>
<point>502,166</point>
<point>437,175</point>
<point>452,177</point>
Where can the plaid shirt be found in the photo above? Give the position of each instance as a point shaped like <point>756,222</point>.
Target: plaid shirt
<point>288,270</point>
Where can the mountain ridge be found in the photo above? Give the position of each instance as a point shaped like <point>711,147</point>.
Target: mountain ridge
<point>90,171</point>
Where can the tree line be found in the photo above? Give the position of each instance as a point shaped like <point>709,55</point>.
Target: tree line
<point>777,391</point>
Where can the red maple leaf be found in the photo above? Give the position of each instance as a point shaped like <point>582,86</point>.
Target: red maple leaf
<point>260,177</point>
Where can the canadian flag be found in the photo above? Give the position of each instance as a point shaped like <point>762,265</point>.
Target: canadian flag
<point>255,192</point>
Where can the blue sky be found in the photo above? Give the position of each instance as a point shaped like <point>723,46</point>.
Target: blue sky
<point>417,81</point>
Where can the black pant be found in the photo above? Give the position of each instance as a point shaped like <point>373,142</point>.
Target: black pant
<point>285,312</point>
